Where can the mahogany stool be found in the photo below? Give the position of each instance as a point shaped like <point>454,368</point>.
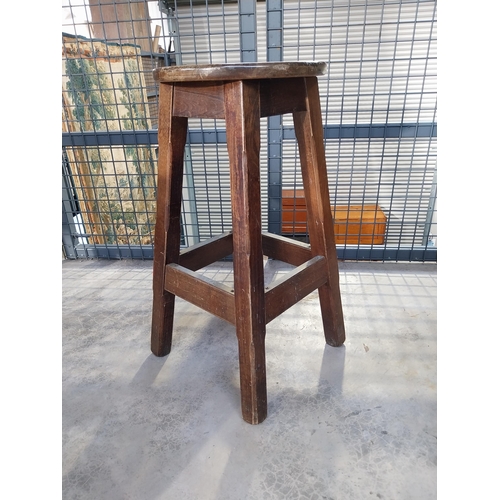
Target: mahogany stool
<point>242,94</point>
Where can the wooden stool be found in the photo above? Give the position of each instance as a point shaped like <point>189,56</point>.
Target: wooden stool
<point>242,94</point>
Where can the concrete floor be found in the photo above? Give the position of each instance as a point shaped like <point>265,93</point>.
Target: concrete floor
<point>355,422</point>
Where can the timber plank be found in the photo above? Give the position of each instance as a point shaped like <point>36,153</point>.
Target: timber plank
<point>287,291</point>
<point>285,249</point>
<point>207,252</point>
<point>215,298</point>
<point>199,99</point>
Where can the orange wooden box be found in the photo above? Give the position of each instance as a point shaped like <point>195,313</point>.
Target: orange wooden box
<point>353,224</point>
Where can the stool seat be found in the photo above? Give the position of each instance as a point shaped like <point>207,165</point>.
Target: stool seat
<point>241,94</point>
<point>239,71</point>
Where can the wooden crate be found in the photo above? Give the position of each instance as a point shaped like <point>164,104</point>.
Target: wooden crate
<point>294,214</point>
<point>353,224</point>
<point>359,224</point>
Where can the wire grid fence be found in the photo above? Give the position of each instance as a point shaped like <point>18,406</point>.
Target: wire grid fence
<point>379,104</point>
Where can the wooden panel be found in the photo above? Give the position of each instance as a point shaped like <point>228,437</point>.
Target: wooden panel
<point>207,252</point>
<point>281,96</point>
<point>294,212</point>
<point>284,293</point>
<point>206,99</point>
<point>285,249</point>
<point>359,224</point>
<point>199,100</point>
<point>353,224</point>
<point>203,292</point>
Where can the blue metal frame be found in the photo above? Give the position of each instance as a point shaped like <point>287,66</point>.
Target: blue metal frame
<point>207,136</point>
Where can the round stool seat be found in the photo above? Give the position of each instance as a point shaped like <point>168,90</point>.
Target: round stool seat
<point>240,71</point>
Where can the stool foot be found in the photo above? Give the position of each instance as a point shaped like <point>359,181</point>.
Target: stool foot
<point>253,380</point>
<point>162,324</point>
<point>331,311</point>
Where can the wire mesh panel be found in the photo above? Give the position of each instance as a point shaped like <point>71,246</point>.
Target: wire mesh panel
<point>108,97</point>
<point>379,110</point>
<point>379,113</point>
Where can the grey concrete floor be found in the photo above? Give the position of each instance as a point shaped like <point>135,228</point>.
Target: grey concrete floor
<point>354,422</point>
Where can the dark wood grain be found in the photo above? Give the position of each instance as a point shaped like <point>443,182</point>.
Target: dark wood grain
<point>243,143</point>
<point>205,99</point>
<point>240,71</point>
<point>287,291</point>
<point>285,249</point>
<point>172,133</point>
<point>309,132</point>
<point>199,99</point>
<point>282,95</point>
<point>207,252</point>
<point>215,298</point>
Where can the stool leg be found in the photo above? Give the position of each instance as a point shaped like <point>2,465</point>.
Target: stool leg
<point>309,132</point>
<point>172,132</point>
<point>242,104</point>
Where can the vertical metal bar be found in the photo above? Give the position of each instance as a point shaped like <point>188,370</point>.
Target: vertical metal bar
<point>68,211</point>
<point>190,213</point>
<point>406,208</point>
<point>342,100</point>
<point>274,41</point>
<point>209,37</point>
<point>372,142</point>
<point>398,168</point>
<point>224,29</point>
<point>408,211</point>
<point>327,103</point>
<point>248,30</point>
<point>357,140</point>
<point>173,32</point>
<point>67,239</point>
<point>428,238</point>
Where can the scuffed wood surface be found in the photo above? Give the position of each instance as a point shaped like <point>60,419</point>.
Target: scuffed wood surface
<point>242,71</point>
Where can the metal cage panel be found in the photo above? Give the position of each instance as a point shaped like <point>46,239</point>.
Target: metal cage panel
<point>379,114</point>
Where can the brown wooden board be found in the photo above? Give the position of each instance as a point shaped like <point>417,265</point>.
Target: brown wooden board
<point>353,224</point>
